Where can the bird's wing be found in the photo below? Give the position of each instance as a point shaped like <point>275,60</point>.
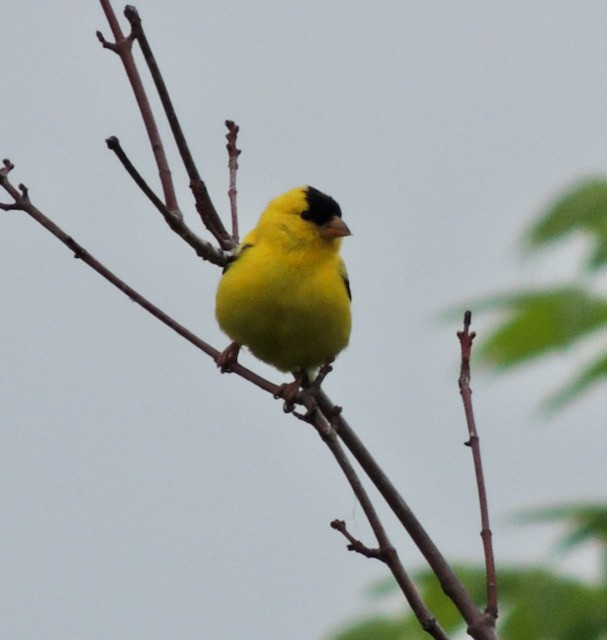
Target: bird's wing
<point>344,277</point>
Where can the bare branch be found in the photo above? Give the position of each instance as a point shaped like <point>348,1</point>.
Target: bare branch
<point>427,621</point>
<point>466,338</point>
<point>321,413</point>
<point>386,551</point>
<point>204,205</point>
<point>173,218</point>
<point>354,544</point>
<point>23,203</point>
<point>123,47</point>
<point>480,627</point>
<point>326,418</point>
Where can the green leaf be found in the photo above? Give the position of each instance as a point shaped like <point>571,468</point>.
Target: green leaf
<point>593,373</point>
<point>535,603</point>
<point>541,321</point>
<point>541,605</point>
<point>582,208</point>
<point>375,628</point>
<point>584,522</point>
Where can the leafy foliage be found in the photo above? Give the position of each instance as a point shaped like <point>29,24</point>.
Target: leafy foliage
<point>538,322</point>
<point>584,523</point>
<point>536,603</point>
<point>378,628</point>
<point>583,208</point>
<point>542,321</point>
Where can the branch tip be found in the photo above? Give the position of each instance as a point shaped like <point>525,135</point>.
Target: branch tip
<point>233,153</point>
<point>112,143</point>
<point>356,545</point>
<point>112,46</point>
<point>101,38</point>
<point>466,334</point>
<point>323,372</point>
<point>132,15</point>
<point>231,136</point>
<point>339,525</point>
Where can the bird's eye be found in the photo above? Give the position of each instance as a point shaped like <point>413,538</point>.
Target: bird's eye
<point>305,215</point>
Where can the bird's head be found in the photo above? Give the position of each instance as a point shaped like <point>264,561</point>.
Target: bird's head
<point>305,216</point>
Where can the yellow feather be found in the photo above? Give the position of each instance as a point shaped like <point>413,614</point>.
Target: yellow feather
<point>285,295</point>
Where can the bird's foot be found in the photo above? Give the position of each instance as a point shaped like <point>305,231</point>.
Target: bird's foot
<point>288,391</point>
<point>228,357</point>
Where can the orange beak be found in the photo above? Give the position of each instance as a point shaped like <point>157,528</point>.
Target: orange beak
<point>335,228</point>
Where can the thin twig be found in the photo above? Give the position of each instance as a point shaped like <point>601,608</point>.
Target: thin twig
<point>318,404</point>
<point>22,202</point>
<point>353,543</point>
<point>427,621</point>
<point>466,338</point>
<point>204,205</point>
<point>386,551</point>
<point>173,218</point>
<point>480,626</point>
<point>233,153</point>
<point>123,47</point>
<point>323,372</point>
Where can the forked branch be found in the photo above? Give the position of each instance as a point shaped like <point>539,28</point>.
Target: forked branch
<point>385,552</point>
<point>123,47</point>
<point>204,205</point>
<point>481,627</point>
<point>321,412</point>
<point>172,217</point>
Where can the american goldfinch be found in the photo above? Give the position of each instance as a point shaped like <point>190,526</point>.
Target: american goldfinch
<point>285,295</point>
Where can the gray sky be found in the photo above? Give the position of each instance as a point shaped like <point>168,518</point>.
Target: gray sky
<point>144,495</point>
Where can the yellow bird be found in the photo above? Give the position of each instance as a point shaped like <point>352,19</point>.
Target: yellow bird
<point>285,295</point>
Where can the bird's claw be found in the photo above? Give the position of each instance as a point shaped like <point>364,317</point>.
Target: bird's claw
<point>228,357</point>
<point>288,392</point>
